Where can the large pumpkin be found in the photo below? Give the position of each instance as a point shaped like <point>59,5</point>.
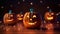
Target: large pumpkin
<point>49,16</point>
<point>8,18</point>
<point>31,20</point>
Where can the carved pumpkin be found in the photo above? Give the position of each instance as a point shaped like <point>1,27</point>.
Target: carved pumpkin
<point>31,20</point>
<point>19,16</point>
<point>49,16</point>
<point>8,18</point>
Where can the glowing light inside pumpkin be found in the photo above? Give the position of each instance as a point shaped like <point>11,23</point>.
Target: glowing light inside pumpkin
<point>34,16</point>
<point>32,23</point>
<point>8,18</point>
<point>11,15</point>
<point>28,16</point>
<point>52,13</point>
<point>19,17</point>
<point>31,19</point>
<point>28,20</point>
<point>49,18</point>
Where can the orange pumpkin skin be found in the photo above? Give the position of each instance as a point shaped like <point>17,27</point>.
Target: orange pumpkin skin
<point>49,16</point>
<point>19,17</point>
<point>31,20</point>
<point>8,18</point>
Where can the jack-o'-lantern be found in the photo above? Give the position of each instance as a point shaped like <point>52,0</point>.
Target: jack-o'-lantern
<point>8,18</point>
<point>49,16</point>
<point>19,16</point>
<point>31,20</point>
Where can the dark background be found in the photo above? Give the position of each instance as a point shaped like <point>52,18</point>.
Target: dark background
<point>18,5</point>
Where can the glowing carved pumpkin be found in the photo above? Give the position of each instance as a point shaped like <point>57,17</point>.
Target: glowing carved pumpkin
<point>49,16</point>
<point>8,18</point>
<point>20,16</point>
<point>31,20</point>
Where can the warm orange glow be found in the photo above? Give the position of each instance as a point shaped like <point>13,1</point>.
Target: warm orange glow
<point>28,16</point>
<point>49,32</point>
<point>31,19</point>
<point>19,17</point>
<point>11,15</point>
<point>32,23</point>
<point>49,16</point>
<point>49,26</point>
<point>8,18</point>
<point>27,19</point>
<point>34,16</point>
<point>52,13</point>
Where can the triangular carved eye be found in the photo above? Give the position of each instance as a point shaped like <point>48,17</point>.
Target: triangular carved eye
<point>11,15</point>
<point>30,19</point>
<point>52,13</point>
<point>19,15</point>
<point>34,16</point>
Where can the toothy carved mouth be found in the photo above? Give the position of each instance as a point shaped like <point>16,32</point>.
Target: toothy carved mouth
<point>32,23</point>
<point>49,18</point>
<point>10,20</point>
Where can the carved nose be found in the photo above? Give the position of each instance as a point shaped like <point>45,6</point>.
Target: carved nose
<point>30,19</point>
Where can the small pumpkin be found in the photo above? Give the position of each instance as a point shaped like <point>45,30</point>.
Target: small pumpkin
<point>8,18</point>
<point>49,16</point>
<point>19,16</point>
